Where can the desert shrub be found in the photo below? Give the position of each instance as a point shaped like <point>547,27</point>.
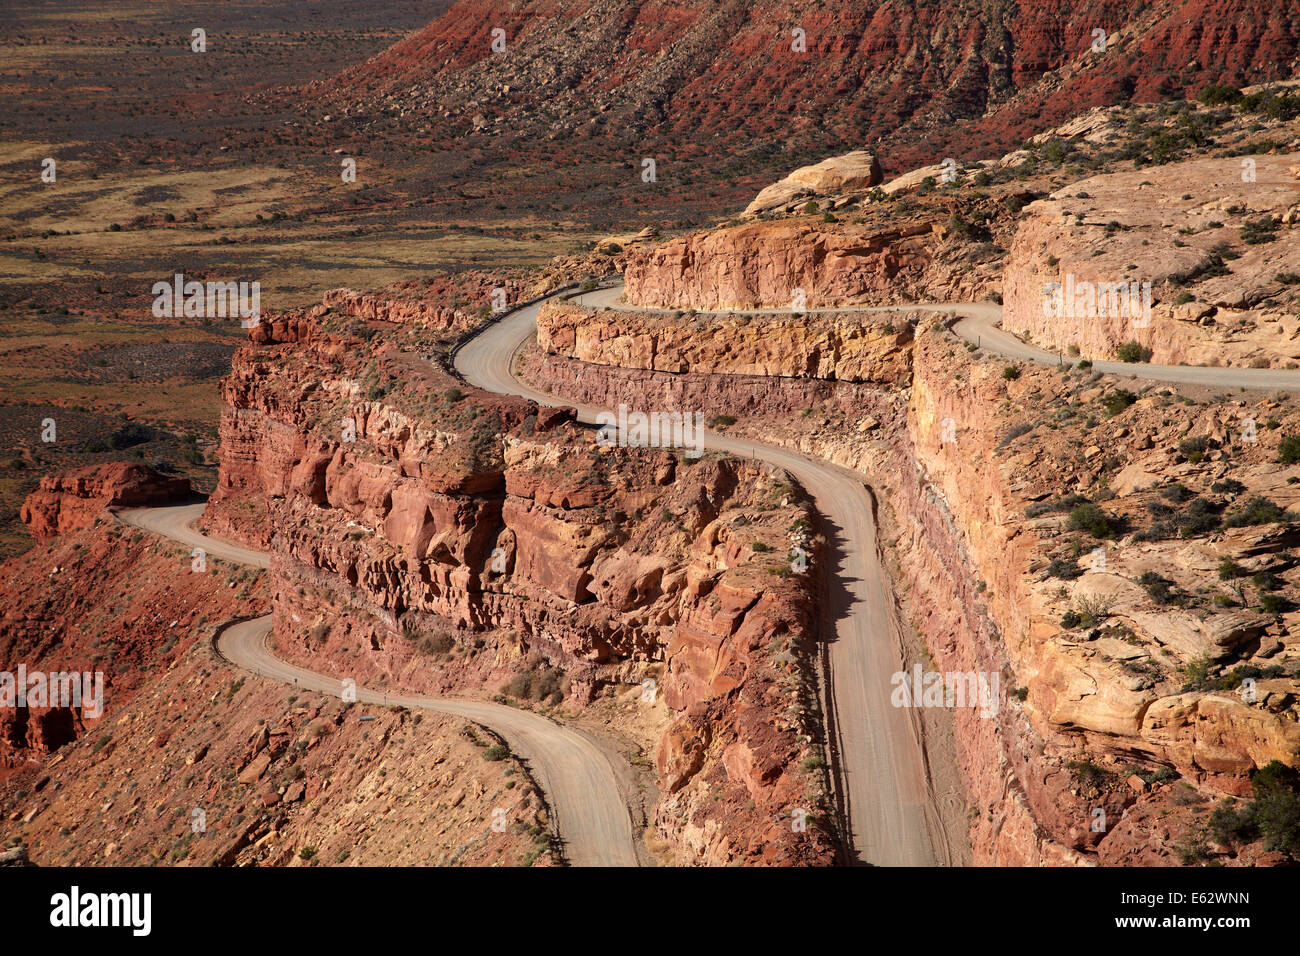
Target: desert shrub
<point>1116,400</point>
<point>1267,581</point>
<point>1011,372</point>
<point>1090,518</point>
<point>538,682</point>
<point>1216,94</point>
<point>1273,604</point>
<point>1088,773</point>
<point>1200,517</point>
<point>1087,611</point>
<point>437,643</point>
<point>1196,673</point>
<point>1131,352</point>
<point>1258,231</point>
<point>1288,449</point>
<point>1159,589</point>
<point>1272,814</point>
<point>1232,823</point>
<point>1014,432</point>
<point>1194,449</point>
<point>1228,486</point>
<point>1257,510</point>
<point>1063,569</point>
<point>1229,569</point>
<point>1060,505</point>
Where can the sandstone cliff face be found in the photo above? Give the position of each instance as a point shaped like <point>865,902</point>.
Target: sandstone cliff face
<point>763,264</point>
<point>1216,299</point>
<point>73,500</point>
<point>1110,691</point>
<point>430,552</point>
<point>848,348</point>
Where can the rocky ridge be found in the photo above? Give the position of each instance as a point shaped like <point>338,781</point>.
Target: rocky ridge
<point>428,552</point>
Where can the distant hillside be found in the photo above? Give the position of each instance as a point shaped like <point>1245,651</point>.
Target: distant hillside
<point>717,84</point>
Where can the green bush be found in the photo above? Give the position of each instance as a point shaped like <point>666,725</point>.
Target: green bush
<point>1117,400</point>
<point>1273,603</point>
<point>1258,231</point>
<point>1194,449</point>
<point>1158,588</point>
<point>1288,450</point>
<point>1088,773</point>
<point>1271,815</point>
<point>1220,95</point>
<point>1267,581</point>
<point>1131,352</point>
<point>1090,518</point>
<point>1065,570</point>
<point>1254,512</point>
<point>1229,569</point>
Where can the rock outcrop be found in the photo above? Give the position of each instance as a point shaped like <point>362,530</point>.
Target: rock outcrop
<point>854,172</point>
<point>833,347</point>
<point>795,263</point>
<point>72,500</point>
<point>402,522</point>
<point>1210,243</point>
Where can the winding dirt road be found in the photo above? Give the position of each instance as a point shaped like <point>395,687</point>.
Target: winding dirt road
<point>590,812</point>
<point>889,803</point>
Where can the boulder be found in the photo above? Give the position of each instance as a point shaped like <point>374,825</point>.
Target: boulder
<point>853,172</point>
